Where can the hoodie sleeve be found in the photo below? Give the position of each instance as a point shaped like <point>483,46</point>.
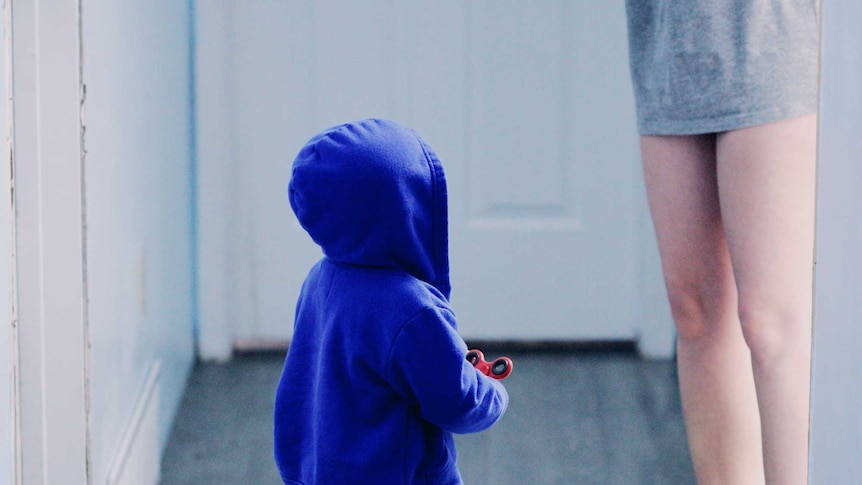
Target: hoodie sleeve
<point>427,366</point>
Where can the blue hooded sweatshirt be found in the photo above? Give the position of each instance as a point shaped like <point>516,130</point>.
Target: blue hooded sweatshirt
<point>376,381</point>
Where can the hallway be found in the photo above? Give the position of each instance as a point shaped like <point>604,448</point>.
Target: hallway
<point>148,149</point>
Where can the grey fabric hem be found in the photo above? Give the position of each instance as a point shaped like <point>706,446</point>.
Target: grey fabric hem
<point>718,125</point>
<point>712,66</point>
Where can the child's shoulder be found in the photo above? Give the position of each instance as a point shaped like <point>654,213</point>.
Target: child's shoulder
<point>387,286</point>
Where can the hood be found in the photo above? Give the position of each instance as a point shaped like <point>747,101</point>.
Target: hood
<point>372,193</point>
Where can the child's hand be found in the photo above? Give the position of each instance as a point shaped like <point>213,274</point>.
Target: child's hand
<point>499,368</point>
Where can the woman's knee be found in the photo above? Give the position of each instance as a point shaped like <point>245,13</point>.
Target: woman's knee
<point>772,329</point>
<point>699,310</point>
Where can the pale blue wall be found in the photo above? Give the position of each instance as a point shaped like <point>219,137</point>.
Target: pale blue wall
<point>136,66</point>
<point>5,277</point>
<point>836,421</point>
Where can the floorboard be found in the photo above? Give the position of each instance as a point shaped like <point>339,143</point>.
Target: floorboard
<point>575,417</point>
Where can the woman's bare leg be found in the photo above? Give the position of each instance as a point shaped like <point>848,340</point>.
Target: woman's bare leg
<point>766,183</point>
<point>715,373</point>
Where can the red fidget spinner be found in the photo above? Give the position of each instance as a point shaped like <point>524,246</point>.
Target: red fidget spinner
<point>499,368</point>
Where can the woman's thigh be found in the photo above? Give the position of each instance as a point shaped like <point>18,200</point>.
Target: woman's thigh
<point>766,180</point>
<point>682,189</point>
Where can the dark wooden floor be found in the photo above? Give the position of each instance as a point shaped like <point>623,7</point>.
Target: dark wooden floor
<point>574,418</point>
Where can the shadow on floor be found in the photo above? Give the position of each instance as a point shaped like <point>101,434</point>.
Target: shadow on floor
<point>580,417</point>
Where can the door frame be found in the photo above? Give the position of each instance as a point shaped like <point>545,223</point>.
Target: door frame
<point>216,211</point>
<point>50,385</point>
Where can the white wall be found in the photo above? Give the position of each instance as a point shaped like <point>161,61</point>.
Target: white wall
<point>136,67</point>
<point>836,420</point>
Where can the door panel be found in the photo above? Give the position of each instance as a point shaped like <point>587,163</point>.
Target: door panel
<point>530,110</point>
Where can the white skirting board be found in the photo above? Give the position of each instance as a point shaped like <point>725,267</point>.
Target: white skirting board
<point>138,461</point>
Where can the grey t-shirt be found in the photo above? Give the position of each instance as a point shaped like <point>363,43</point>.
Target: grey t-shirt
<point>705,66</point>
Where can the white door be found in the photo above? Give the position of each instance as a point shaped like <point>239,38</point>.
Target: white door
<point>543,226</point>
<point>531,113</point>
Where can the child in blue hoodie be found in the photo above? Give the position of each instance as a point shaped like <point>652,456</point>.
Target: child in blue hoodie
<point>376,379</point>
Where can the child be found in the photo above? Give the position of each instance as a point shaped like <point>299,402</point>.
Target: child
<point>376,379</point>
